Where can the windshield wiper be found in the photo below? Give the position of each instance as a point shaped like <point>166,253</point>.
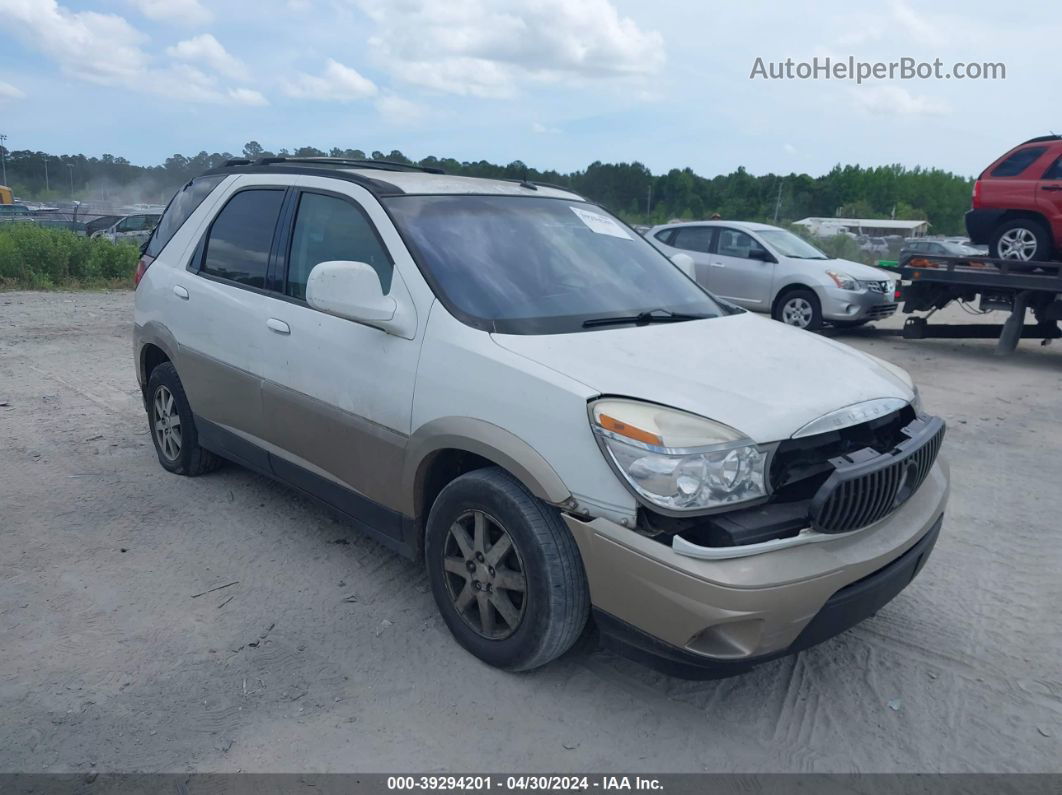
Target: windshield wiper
<point>643,318</point>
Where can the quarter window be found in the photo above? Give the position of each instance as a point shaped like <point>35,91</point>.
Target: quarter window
<point>733,243</point>
<point>241,237</point>
<point>694,238</point>
<point>1018,162</point>
<point>330,228</point>
<point>181,206</point>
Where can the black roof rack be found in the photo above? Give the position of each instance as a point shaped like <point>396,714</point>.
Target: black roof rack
<point>325,166</point>
<point>383,165</point>
<point>1041,138</point>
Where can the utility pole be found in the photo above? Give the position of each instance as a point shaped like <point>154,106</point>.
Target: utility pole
<point>778,201</point>
<point>3,158</point>
<point>47,187</point>
<point>649,200</point>
<point>70,168</point>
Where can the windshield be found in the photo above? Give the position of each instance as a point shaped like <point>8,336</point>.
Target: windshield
<point>789,245</point>
<point>529,265</point>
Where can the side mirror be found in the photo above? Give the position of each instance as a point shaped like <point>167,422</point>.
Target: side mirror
<point>762,254</point>
<point>349,290</point>
<point>684,262</point>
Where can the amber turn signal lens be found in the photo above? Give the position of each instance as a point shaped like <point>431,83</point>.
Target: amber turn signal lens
<point>630,431</point>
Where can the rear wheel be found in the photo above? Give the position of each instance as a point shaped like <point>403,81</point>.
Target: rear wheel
<point>505,571</point>
<point>173,427</point>
<point>1022,240</point>
<point>799,308</point>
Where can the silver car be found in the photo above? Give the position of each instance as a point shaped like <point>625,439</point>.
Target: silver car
<point>768,269</point>
<point>131,229</point>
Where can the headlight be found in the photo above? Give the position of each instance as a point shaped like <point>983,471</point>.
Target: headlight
<point>843,280</point>
<point>679,461</point>
<point>916,401</point>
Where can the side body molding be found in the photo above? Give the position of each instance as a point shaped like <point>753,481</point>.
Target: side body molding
<point>483,439</point>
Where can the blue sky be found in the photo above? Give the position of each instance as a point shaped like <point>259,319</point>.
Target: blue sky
<point>555,83</point>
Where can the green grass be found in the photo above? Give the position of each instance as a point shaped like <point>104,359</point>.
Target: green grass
<point>36,258</point>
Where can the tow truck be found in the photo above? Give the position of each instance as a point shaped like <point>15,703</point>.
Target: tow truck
<point>982,285</point>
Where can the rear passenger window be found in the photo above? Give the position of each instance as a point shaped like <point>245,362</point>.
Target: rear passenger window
<point>330,228</point>
<point>241,237</point>
<point>1055,172</point>
<point>180,208</point>
<point>1018,162</point>
<point>694,238</point>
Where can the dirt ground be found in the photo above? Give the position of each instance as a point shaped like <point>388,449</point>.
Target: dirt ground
<point>323,651</point>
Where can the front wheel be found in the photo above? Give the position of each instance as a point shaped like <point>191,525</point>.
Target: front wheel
<point>505,572</point>
<point>799,308</point>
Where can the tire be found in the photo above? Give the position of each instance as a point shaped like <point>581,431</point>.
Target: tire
<point>178,450</point>
<point>1021,240</point>
<point>800,308</point>
<point>540,622</point>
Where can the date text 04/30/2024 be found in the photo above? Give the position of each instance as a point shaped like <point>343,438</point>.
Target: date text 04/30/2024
<point>540,783</point>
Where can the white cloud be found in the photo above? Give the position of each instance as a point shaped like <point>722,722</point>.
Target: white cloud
<point>338,83</point>
<point>397,110</point>
<point>9,92</point>
<point>183,12</point>
<point>488,47</point>
<point>102,48</point>
<point>247,96</point>
<point>890,100</point>
<point>106,49</point>
<point>207,50</point>
<point>541,129</point>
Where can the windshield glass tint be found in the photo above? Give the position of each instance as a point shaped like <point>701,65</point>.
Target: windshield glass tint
<point>521,265</point>
<point>789,245</point>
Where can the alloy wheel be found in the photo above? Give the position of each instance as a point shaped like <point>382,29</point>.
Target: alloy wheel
<point>166,421</point>
<point>1017,244</point>
<point>797,312</point>
<point>484,575</point>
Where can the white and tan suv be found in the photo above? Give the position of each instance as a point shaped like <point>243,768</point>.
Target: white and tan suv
<point>505,380</point>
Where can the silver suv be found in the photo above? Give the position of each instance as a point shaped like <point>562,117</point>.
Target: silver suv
<point>502,379</point>
<point>768,269</point>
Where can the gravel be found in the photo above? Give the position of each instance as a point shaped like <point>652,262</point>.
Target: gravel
<point>310,648</point>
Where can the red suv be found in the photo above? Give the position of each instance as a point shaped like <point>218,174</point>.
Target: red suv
<point>1017,202</point>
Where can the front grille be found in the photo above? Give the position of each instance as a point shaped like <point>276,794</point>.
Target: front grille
<point>866,486</point>
<point>876,286</point>
<point>881,311</point>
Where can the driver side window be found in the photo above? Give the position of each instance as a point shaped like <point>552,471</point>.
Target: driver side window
<point>331,228</point>
<point>733,243</point>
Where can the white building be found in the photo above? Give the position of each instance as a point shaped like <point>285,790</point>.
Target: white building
<point>874,227</point>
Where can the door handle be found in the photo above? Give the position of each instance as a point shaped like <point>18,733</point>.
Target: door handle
<point>180,292</point>
<point>279,326</point>
<point>718,265</point>
<point>1051,187</point>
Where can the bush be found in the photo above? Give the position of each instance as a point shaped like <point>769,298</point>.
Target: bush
<point>37,258</point>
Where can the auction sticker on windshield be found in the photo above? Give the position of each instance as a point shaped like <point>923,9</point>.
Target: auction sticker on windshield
<point>601,224</point>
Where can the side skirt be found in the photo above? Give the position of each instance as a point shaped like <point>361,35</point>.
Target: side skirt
<point>391,528</point>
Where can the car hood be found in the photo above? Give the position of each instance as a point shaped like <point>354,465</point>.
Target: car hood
<point>759,376</point>
<point>858,270</point>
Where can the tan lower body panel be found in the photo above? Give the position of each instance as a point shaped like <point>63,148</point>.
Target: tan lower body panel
<point>742,607</point>
<point>365,456</point>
